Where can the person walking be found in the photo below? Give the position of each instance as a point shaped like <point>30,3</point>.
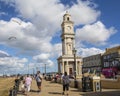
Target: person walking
<point>39,80</point>
<point>28,82</point>
<point>66,82</point>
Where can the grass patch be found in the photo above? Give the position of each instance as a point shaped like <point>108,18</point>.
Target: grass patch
<point>5,85</point>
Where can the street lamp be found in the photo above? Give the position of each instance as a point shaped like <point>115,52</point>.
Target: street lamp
<point>45,69</point>
<point>74,53</point>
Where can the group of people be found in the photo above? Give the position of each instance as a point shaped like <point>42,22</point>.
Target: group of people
<point>27,81</point>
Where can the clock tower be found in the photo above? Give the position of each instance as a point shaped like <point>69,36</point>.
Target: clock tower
<point>67,35</point>
<point>69,62</point>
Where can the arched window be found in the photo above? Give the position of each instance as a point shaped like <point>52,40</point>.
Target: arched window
<point>68,18</point>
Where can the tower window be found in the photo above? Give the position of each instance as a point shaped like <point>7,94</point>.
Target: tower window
<point>68,18</point>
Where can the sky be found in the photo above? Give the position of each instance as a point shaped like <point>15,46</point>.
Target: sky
<point>30,31</point>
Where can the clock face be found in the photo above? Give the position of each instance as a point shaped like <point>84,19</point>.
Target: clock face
<point>68,27</point>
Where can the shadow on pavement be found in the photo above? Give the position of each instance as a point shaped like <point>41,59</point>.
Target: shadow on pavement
<point>21,93</point>
<point>107,93</point>
<point>75,90</point>
<point>54,93</point>
<point>51,86</point>
<point>33,90</point>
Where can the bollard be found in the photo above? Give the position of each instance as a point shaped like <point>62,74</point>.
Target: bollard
<point>96,84</point>
<point>75,83</point>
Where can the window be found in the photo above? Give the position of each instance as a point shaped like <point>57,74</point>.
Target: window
<point>68,18</point>
<point>104,57</point>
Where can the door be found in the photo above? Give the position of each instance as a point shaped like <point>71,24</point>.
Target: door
<point>70,71</point>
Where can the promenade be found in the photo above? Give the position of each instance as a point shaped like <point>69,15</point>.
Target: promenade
<point>55,89</point>
<point>49,89</point>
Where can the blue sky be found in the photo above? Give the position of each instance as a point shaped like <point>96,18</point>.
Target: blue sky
<point>30,31</point>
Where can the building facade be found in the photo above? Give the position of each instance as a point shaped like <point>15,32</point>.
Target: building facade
<point>68,61</point>
<point>111,61</point>
<point>92,64</point>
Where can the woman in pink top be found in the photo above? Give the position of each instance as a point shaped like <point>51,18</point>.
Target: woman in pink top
<point>28,81</point>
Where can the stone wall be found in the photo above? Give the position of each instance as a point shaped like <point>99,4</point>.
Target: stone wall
<point>111,83</point>
<point>72,83</point>
<point>105,83</point>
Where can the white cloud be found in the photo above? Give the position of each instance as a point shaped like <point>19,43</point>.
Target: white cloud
<point>3,13</point>
<point>12,61</point>
<point>50,63</point>
<point>25,34</point>
<point>97,33</point>
<point>82,13</point>
<point>41,57</point>
<point>11,64</point>
<point>45,58</point>
<point>57,50</point>
<point>45,15</point>
<point>84,52</point>
<point>42,22</point>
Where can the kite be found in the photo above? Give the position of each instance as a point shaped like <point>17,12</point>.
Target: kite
<point>12,38</point>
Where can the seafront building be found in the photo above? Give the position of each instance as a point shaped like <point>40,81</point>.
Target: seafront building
<point>107,63</point>
<point>92,64</point>
<point>111,62</point>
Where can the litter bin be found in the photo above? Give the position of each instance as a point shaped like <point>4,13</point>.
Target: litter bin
<point>86,84</point>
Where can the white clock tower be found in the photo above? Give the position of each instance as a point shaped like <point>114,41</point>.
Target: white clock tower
<point>68,35</point>
<point>69,62</point>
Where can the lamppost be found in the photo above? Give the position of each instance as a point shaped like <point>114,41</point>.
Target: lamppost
<point>74,53</point>
<point>45,69</point>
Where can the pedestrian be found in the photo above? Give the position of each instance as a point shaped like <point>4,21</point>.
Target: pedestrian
<point>28,82</point>
<point>39,80</point>
<point>66,82</point>
<point>23,86</point>
<point>17,81</point>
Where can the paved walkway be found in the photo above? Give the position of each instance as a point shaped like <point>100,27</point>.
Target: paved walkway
<point>55,89</point>
<point>50,89</point>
